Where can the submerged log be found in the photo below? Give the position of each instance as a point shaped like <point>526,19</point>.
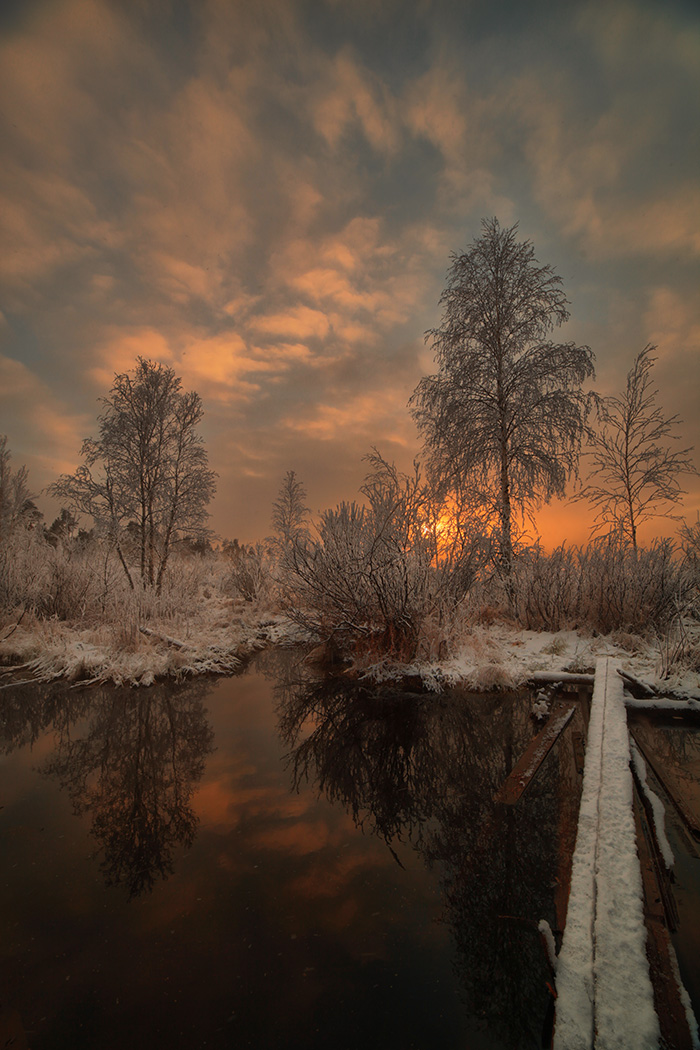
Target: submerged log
<point>670,783</point>
<point>525,769</point>
<point>660,916</point>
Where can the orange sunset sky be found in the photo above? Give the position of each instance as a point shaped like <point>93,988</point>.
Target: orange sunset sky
<point>265,196</point>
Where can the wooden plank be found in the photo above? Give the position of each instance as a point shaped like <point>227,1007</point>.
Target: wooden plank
<point>525,769</point>
<point>671,785</point>
<point>673,1020</point>
<point>560,678</point>
<point>648,849</point>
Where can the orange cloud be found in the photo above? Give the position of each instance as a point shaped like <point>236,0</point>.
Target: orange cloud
<point>32,413</point>
<point>300,322</point>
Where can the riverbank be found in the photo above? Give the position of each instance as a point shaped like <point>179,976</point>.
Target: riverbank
<point>220,634</point>
<point>215,639</point>
<point>501,656</point>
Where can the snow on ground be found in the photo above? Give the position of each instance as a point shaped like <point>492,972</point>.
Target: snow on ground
<point>499,656</point>
<point>211,640</point>
<point>216,634</point>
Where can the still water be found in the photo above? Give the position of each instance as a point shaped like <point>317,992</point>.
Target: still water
<point>267,861</point>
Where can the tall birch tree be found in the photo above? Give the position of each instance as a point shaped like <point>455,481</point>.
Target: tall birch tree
<point>503,418</point>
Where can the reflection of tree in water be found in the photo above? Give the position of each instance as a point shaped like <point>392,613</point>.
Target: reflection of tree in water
<point>678,744</point>
<point>132,764</point>
<point>28,711</point>
<point>427,767</point>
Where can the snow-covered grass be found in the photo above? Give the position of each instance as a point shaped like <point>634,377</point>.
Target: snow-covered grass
<point>101,630</point>
<point>79,618</point>
<point>504,656</point>
<point>213,639</point>
<point>215,631</point>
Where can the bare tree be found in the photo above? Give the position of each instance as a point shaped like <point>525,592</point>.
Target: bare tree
<point>503,419</point>
<point>16,504</point>
<point>289,512</point>
<point>148,466</point>
<point>635,469</point>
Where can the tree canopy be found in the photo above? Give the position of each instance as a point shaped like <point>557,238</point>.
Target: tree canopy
<point>503,418</point>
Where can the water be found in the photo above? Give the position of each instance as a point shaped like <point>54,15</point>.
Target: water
<point>267,862</point>
<point>673,742</point>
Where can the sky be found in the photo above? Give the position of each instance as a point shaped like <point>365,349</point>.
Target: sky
<point>265,196</point>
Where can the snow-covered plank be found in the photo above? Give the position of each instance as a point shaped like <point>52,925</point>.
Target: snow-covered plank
<point>663,703</point>
<point>525,769</point>
<point>561,678</point>
<point>605,997</point>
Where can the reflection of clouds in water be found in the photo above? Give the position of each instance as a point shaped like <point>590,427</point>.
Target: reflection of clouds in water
<point>224,803</point>
<point>279,893</point>
<point>426,768</point>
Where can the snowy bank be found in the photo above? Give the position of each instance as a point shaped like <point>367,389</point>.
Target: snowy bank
<point>499,656</point>
<point>214,639</point>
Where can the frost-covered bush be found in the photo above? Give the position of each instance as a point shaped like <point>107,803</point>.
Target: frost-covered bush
<point>250,573</point>
<point>690,545</point>
<point>547,588</point>
<point>626,589</point>
<point>358,580</point>
<point>22,569</point>
<point>605,586</point>
<point>70,586</point>
<point>382,577</point>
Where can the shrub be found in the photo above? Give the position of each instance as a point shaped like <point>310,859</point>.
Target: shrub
<point>381,577</point>
<point>605,586</point>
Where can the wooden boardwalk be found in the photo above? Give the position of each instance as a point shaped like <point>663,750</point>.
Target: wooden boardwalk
<point>605,996</point>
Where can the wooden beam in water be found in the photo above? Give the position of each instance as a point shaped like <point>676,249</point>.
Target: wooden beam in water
<point>670,783</point>
<point>525,769</point>
<point>673,1020</point>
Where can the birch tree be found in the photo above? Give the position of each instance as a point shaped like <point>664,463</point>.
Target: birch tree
<point>290,515</point>
<point>16,504</point>
<point>148,468</point>
<point>635,468</point>
<point>503,418</point>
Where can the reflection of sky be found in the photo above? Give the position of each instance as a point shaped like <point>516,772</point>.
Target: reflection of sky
<point>280,899</point>
<point>265,196</point>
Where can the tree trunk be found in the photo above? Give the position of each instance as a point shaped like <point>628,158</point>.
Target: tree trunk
<point>125,566</point>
